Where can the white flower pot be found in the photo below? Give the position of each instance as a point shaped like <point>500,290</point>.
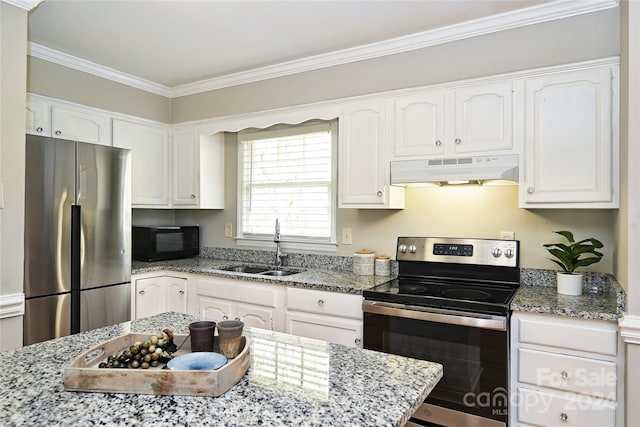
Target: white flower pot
<point>569,283</point>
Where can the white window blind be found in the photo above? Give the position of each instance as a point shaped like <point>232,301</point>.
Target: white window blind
<point>288,173</point>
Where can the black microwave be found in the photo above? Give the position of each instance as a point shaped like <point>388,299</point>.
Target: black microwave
<point>162,243</point>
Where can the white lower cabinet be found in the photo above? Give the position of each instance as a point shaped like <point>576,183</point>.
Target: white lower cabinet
<point>257,305</point>
<point>327,316</point>
<point>159,294</point>
<point>564,371</point>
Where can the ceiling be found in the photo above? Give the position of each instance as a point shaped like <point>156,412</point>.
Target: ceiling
<point>177,43</point>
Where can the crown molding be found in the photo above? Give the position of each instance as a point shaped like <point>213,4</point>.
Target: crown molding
<point>533,15</point>
<point>60,58</point>
<point>24,4</point>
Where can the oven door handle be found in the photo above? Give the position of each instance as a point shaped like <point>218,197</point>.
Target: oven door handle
<point>483,321</point>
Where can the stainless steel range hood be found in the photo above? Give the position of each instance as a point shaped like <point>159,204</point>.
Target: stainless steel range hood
<point>455,170</point>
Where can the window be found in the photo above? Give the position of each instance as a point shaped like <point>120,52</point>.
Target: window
<point>288,172</point>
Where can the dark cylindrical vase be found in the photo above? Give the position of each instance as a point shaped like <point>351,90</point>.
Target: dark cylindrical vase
<point>202,335</point>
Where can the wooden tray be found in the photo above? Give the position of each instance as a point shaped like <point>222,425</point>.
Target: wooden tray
<point>83,373</point>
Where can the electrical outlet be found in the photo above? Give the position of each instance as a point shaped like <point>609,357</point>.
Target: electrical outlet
<point>347,237</point>
<point>228,230</point>
<point>508,235</point>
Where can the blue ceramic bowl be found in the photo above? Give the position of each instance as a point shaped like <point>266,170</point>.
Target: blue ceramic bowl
<point>199,361</point>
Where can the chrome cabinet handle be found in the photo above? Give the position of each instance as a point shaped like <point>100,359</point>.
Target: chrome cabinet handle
<point>564,417</point>
<point>320,302</point>
<point>181,292</point>
<point>438,143</point>
<point>458,141</point>
<point>529,190</point>
<point>379,193</point>
<point>564,375</point>
<point>193,196</point>
<point>39,130</point>
<point>141,292</point>
<point>358,342</point>
<point>58,132</point>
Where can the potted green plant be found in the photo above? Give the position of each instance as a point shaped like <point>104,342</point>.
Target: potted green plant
<point>571,256</point>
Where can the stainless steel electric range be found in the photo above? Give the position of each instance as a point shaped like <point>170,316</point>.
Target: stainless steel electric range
<point>450,304</point>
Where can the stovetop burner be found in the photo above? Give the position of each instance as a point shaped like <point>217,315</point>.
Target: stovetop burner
<point>468,294</point>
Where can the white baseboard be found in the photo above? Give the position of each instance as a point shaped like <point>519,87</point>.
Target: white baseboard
<point>11,305</point>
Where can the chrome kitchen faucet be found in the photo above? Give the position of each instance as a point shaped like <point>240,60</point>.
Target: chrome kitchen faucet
<point>276,239</point>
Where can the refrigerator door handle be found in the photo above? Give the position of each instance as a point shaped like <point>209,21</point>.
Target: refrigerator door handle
<point>76,266</point>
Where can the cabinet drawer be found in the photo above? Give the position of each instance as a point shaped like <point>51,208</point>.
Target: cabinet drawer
<point>568,373</point>
<point>327,328</point>
<point>573,334</point>
<point>235,290</point>
<point>559,409</point>
<point>332,303</point>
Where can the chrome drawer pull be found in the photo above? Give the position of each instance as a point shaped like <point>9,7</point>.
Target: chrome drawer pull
<point>564,417</point>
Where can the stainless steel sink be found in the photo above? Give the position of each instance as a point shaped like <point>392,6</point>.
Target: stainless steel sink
<point>245,269</point>
<point>261,270</point>
<point>279,273</point>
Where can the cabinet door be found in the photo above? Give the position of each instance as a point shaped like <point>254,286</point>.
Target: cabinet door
<point>484,118</point>
<point>38,116</point>
<point>186,167</point>
<point>176,294</point>
<point>327,328</point>
<point>363,168</point>
<point>150,297</point>
<point>214,309</point>
<point>255,315</point>
<point>149,147</point>
<point>79,125</point>
<point>419,126</point>
<point>569,149</point>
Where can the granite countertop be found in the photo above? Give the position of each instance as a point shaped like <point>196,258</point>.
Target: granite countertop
<point>602,297</point>
<point>314,384</point>
<point>310,278</point>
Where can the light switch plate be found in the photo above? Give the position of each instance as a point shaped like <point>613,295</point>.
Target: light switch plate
<point>228,230</point>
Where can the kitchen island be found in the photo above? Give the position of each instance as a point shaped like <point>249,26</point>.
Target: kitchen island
<point>291,381</point>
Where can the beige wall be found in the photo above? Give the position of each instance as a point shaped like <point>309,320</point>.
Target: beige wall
<point>429,211</point>
<point>627,224</point>
<point>56,81</point>
<point>574,39</point>
<point>13,48</point>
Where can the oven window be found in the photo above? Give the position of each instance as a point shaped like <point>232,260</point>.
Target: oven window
<point>475,360</point>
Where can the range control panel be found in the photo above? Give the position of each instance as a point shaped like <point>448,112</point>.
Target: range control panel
<point>496,252</point>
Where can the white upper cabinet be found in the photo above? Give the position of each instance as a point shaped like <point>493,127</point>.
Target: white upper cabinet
<point>477,119</point>
<point>186,167</point>
<point>364,159</point>
<point>38,116</point>
<point>484,118</point>
<point>61,120</point>
<point>571,140</point>
<point>420,125</point>
<point>197,169</point>
<point>149,145</point>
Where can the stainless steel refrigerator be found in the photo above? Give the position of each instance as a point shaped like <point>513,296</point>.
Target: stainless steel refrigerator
<point>77,266</point>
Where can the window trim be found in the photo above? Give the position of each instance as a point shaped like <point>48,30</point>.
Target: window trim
<point>289,243</point>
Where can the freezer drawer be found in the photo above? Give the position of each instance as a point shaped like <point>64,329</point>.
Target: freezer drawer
<point>105,306</point>
<point>47,318</point>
